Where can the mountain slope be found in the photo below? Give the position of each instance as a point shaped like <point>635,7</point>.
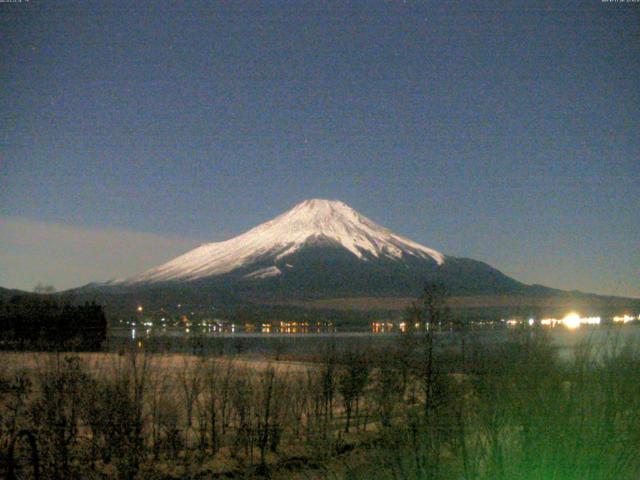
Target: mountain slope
<point>313,222</point>
<point>318,249</point>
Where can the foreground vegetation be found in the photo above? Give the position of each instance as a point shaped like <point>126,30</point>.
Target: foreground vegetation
<point>503,412</point>
<point>408,409</point>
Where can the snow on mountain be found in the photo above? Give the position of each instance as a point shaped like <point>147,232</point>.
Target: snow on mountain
<point>311,220</point>
<point>264,273</point>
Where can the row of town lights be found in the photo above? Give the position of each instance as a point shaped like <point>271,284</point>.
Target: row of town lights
<point>571,321</point>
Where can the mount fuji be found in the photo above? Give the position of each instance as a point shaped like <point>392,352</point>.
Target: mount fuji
<point>312,223</point>
<point>324,254</point>
<point>318,249</point>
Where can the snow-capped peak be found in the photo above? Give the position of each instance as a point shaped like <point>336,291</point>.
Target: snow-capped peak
<point>316,219</point>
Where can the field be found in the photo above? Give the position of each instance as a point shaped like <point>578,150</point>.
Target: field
<point>407,408</point>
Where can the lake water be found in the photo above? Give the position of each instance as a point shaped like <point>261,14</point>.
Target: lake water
<point>599,337</point>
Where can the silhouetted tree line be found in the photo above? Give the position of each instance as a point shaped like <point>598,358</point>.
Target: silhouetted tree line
<point>44,322</point>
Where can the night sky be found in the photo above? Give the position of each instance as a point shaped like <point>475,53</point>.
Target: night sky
<point>134,131</point>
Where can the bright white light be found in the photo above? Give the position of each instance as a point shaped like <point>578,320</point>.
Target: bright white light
<point>531,321</point>
<point>571,321</point>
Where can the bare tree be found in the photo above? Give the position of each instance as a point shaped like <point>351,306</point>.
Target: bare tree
<point>190,379</point>
<point>353,375</point>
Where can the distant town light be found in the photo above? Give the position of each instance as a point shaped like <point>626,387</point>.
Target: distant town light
<point>571,321</point>
<point>591,320</point>
<point>139,308</point>
<point>624,318</point>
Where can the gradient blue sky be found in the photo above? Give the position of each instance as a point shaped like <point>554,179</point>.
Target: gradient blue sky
<point>505,132</point>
